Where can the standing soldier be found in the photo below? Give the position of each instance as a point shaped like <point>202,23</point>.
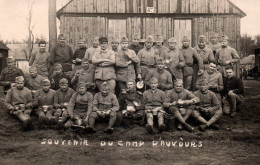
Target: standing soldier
<point>19,102</point>
<point>9,74</point>
<point>63,54</point>
<point>208,110</point>
<point>115,44</point>
<point>181,102</point>
<point>153,100</point>
<point>79,54</point>
<point>104,60</point>
<point>34,80</point>
<point>214,44</point>
<point>91,51</point>
<point>147,57</point>
<point>163,76</point>
<point>159,44</point>
<point>207,57</point>
<point>189,55</point>
<point>174,59</point>
<point>226,56</point>
<point>135,46</point>
<point>105,105</point>
<point>127,63</point>
<point>40,60</point>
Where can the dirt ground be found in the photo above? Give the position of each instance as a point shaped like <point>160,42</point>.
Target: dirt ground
<point>238,142</point>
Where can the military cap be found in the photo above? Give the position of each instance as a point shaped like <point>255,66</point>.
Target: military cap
<point>130,80</point>
<point>136,36</point>
<point>84,60</point>
<point>32,68</point>
<point>114,39</point>
<point>46,82</point>
<point>63,81</point>
<point>10,59</point>
<point>178,81</point>
<point>214,35</point>
<point>224,37</point>
<point>81,39</point>
<point>149,39</point>
<point>159,61</point>
<point>158,38</point>
<point>202,38</point>
<point>172,40</point>
<point>105,86</point>
<point>203,82</point>
<point>19,79</point>
<point>60,36</point>
<point>103,39</point>
<point>153,80</point>
<point>185,38</point>
<point>124,39</point>
<point>94,38</point>
<point>57,66</point>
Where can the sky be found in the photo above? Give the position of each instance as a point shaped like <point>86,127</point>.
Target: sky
<point>14,15</point>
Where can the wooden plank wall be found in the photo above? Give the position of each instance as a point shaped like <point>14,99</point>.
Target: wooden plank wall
<point>160,6</point>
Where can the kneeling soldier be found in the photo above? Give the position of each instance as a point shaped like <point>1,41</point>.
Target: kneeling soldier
<point>19,102</point>
<point>105,104</point>
<point>153,99</point>
<point>80,107</point>
<point>180,103</point>
<point>208,110</point>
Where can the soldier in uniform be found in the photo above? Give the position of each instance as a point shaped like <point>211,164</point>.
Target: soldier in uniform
<point>181,102</point>
<point>80,107</point>
<point>174,59</point>
<point>41,60</point>
<point>19,102</point>
<point>104,60</point>
<point>147,57</point>
<point>61,101</point>
<point>44,99</point>
<point>9,74</point>
<point>153,100</point>
<point>208,110</point>
<point>79,54</point>
<point>226,56</point>
<point>131,106</point>
<point>189,55</point>
<point>159,44</point>
<point>127,64</point>
<point>34,80</point>
<point>214,45</point>
<point>91,51</point>
<point>233,92</point>
<point>163,76</point>
<point>135,46</point>
<point>58,74</point>
<point>63,54</point>
<point>105,105</point>
<point>115,44</point>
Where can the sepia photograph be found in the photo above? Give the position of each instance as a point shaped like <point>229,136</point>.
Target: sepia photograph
<point>118,82</point>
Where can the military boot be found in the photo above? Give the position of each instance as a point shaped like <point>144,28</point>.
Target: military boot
<point>90,128</point>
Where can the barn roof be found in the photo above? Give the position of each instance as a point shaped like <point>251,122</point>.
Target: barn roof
<point>177,7</point>
<point>3,46</point>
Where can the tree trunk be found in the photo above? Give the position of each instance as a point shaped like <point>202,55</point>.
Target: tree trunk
<point>52,24</point>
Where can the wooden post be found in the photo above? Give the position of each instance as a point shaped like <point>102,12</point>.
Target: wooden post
<point>52,24</point>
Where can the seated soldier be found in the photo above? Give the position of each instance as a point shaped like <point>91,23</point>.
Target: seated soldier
<point>164,77</point>
<point>57,75</point>
<point>233,92</point>
<point>34,80</point>
<point>8,75</point>
<point>105,105</point>
<point>85,75</point>
<point>153,100</point>
<point>44,99</point>
<point>61,101</point>
<point>80,107</point>
<point>131,106</point>
<point>208,110</point>
<point>19,102</point>
<point>181,102</point>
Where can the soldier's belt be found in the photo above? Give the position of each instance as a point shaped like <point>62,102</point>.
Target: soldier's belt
<point>81,106</point>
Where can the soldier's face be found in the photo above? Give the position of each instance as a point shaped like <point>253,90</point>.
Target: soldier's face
<point>224,43</point>
<point>58,70</point>
<point>85,65</point>
<point>160,67</point>
<point>154,85</point>
<point>82,44</point>
<point>148,44</point>
<point>124,45</point>
<point>42,47</point>
<point>214,40</point>
<point>33,73</point>
<point>186,43</point>
<point>203,88</point>
<point>114,45</point>
<point>178,87</point>
<point>10,64</point>
<point>103,45</point>
<point>202,44</point>
<point>230,73</point>
<point>46,88</point>
<point>95,43</point>
<point>82,90</point>
<point>64,87</point>
<point>104,92</point>
<point>212,68</point>
<point>62,41</point>
<point>135,41</point>
<point>130,85</point>
<point>19,84</point>
<point>172,45</point>
<point>159,43</point>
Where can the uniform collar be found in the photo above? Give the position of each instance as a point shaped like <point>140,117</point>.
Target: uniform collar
<point>201,50</point>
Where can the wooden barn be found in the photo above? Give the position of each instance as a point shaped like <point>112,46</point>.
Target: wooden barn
<point>3,55</point>
<point>87,18</point>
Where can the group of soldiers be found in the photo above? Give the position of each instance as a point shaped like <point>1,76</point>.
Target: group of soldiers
<point>127,84</point>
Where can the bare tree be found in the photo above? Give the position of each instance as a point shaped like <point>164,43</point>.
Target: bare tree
<point>52,24</point>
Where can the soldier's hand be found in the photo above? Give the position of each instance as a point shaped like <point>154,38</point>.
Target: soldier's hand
<point>139,76</point>
<point>179,66</point>
<point>228,62</point>
<point>174,103</point>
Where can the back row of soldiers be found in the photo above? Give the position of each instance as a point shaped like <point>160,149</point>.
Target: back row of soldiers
<point>102,72</point>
